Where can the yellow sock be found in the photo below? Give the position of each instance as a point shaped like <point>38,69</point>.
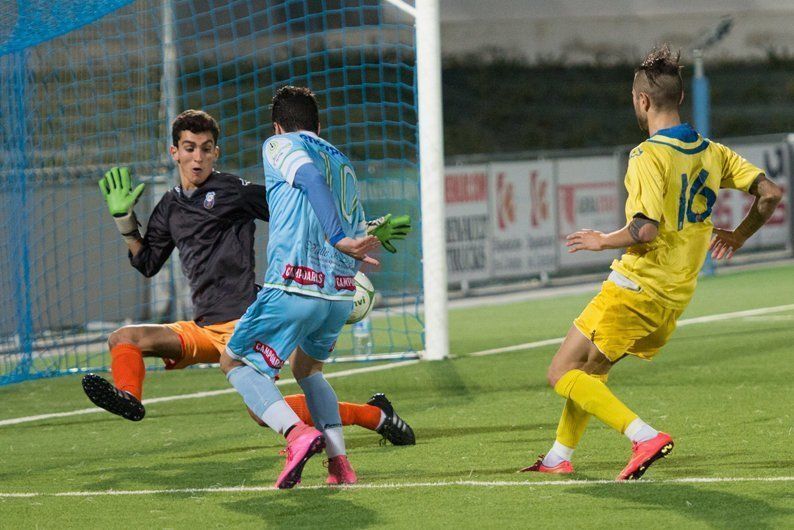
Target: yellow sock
<point>574,420</point>
<point>594,397</point>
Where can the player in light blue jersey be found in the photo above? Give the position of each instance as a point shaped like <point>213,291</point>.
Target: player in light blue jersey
<point>317,238</point>
<point>302,256</point>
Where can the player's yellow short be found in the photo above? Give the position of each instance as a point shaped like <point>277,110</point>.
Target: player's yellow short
<point>621,320</point>
<point>200,344</point>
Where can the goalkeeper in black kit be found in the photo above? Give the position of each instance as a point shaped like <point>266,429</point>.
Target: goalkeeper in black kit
<point>209,217</point>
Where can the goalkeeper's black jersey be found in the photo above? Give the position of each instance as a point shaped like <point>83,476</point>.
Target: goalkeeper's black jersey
<point>214,232</point>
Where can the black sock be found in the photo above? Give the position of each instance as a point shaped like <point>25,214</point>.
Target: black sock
<point>286,433</point>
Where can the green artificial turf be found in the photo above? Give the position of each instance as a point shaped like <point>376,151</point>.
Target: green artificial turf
<point>722,389</point>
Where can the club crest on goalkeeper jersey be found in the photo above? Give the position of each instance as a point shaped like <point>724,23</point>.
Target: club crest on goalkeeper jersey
<point>674,177</point>
<point>300,259</point>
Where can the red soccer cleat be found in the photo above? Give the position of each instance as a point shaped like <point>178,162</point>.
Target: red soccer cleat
<point>340,471</point>
<point>563,468</point>
<point>303,442</point>
<point>646,453</point>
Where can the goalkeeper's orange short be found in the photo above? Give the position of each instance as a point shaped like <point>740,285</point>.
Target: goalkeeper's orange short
<point>200,344</point>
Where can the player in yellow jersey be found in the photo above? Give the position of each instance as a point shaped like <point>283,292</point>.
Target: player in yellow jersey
<point>672,181</point>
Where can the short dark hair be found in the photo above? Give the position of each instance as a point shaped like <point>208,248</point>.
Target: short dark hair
<point>195,121</point>
<point>659,76</point>
<point>295,109</point>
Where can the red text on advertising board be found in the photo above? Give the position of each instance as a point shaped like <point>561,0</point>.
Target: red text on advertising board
<point>466,187</point>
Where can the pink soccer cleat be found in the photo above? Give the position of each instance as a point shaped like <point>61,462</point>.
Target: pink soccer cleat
<point>340,471</point>
<point>563,468</point>
<point>303,442</point>
<point>643,454</point>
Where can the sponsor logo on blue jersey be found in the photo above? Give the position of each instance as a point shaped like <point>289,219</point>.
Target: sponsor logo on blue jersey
<point>300,257</point>
<point>324,145</point>
<point>303,275</point>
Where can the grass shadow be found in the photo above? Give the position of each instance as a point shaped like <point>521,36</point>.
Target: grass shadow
<point>172,474</point>
<point>702,503</point>
<point>526,431</point>
<point>445,379</point>
<point>306,509</point>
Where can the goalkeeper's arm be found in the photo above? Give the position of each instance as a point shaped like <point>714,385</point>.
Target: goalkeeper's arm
<point>146,254</point>
<point>116,187</point>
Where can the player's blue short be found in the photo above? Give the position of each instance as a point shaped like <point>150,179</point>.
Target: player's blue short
<point>279,321</point>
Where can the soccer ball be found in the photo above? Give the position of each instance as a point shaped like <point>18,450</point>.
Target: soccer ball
<point>362,300</point>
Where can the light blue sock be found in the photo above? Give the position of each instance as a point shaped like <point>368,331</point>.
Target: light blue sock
<point>263,398</point>
<point>322,401</point>
<point>324,408</point>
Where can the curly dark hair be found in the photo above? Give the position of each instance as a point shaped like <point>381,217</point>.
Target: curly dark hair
<point>295,109</point>
<point>659,76</point>
<point>195,121</point>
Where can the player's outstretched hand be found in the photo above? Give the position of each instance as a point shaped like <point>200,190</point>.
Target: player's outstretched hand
<point>358,248</point>
<point>725,243</point>
<point>116,186</point>
<point>387,228</point>
<point>585,240</point>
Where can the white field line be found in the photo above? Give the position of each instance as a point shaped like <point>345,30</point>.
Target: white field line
<point>768,318</point>
<point>519,347</point>
<point>405,485</point>
<point>353,371</point>
<point>737,314</point>
<point>687,321</point>
<point>196,395</point>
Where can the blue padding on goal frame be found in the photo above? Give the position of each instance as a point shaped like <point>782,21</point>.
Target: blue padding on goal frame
<point>52,19</point>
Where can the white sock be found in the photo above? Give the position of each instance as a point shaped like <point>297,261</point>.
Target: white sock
<point>382,419</point>
<point>334,442</point>
<point>559,453</point>
<point>280,417</point>
<point>639,431</point>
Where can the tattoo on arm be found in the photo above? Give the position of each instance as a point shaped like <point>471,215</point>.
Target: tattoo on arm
<point>754,186</point>
<point>636,225</point>
<point>767,195</point>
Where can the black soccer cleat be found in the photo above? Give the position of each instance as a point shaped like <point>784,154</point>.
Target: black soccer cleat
<point>106,396</point>
<point>394,428</point>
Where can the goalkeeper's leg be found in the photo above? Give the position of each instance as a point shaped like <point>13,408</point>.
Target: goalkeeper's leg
<point>128,346</point>
<point>362,415</point>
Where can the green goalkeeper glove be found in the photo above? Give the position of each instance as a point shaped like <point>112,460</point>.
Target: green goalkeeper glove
<point>387,228</point>
<point>117,189</point>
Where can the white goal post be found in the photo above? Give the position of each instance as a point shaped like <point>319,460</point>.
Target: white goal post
<point>431,174</point>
